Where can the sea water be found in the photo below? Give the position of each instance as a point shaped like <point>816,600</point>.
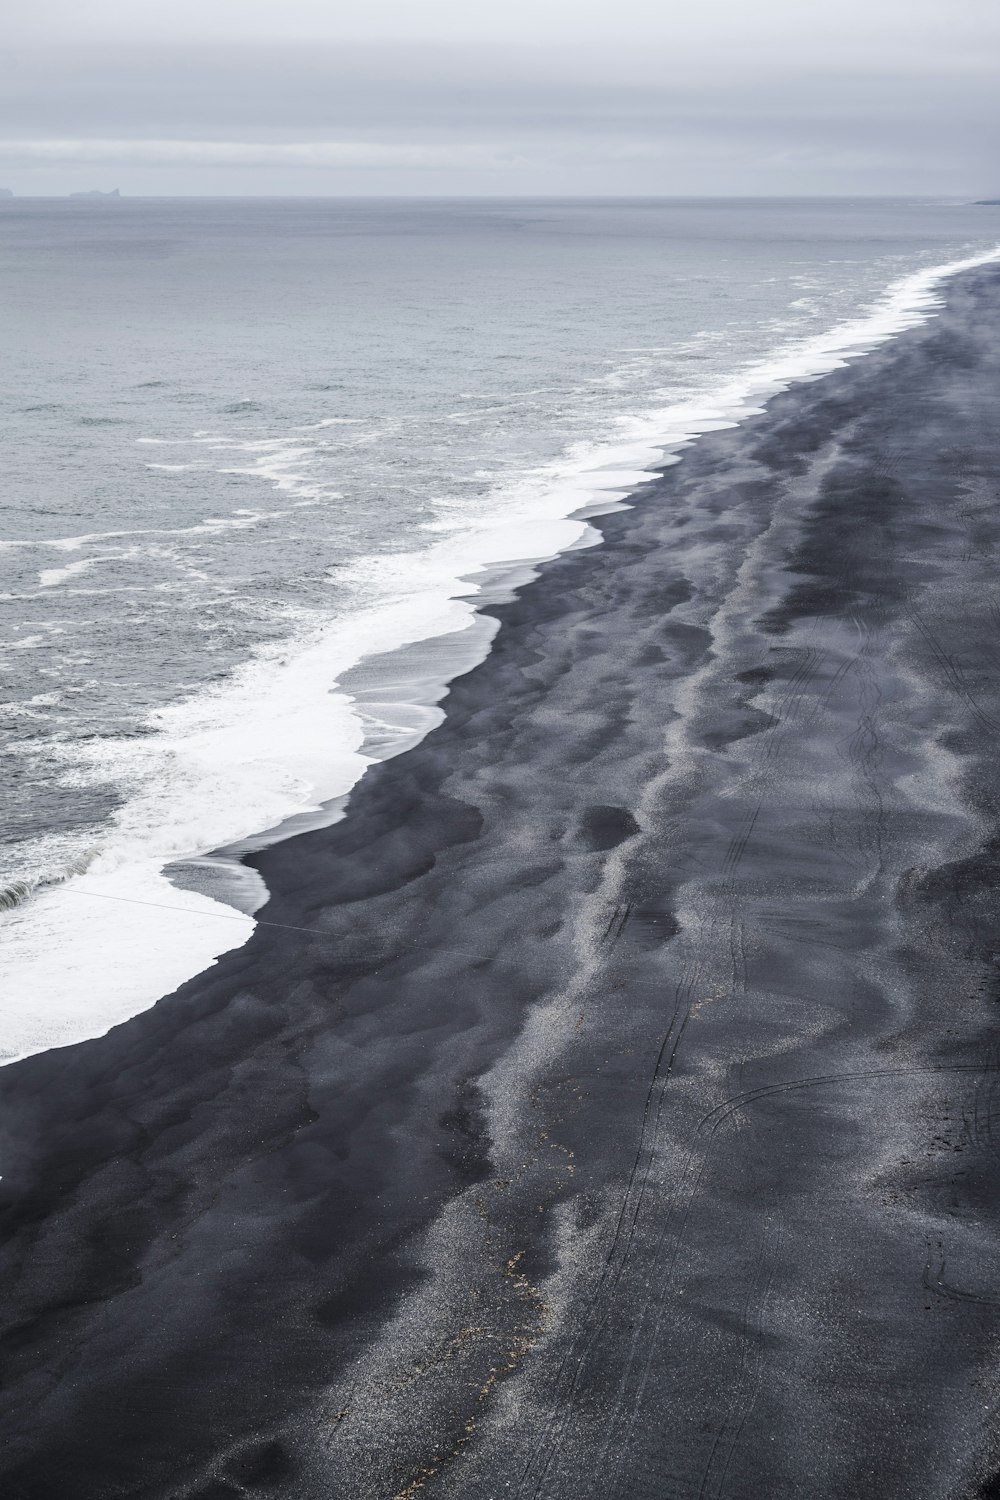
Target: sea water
<point>262,459</point>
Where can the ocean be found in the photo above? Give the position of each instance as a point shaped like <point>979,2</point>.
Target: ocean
<point>265,458</point>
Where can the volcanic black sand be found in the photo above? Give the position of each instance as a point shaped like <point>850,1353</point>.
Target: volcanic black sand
<point>624,1127</point>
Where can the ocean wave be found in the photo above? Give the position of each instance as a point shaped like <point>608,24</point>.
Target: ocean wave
<point>238,520</point>
<point>16,893</point>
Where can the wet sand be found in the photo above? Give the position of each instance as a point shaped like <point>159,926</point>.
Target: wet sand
<point>621,1125</point>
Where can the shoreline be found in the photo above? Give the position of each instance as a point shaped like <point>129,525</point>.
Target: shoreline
<point>667,955</point>
<point>203,894</point>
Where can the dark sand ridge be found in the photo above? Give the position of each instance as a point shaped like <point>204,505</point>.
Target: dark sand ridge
<point>625,1128</point>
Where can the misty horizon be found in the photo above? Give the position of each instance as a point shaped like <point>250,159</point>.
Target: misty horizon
<point>226,100</point>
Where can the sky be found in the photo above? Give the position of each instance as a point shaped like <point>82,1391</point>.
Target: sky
<point>528,97</point>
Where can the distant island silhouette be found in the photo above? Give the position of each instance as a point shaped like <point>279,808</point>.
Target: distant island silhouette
<point>6,193</point>
<point>96,193</point>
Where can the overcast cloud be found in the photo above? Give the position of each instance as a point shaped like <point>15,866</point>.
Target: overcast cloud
<point>627,97</point>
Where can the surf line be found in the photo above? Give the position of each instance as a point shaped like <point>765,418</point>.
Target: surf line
<point>221,916</point>
<point>184,911</point>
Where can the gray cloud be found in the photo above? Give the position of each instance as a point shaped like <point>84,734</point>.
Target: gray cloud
<point>317,154</point>
<point>873,111</point>
<point>893,32</point>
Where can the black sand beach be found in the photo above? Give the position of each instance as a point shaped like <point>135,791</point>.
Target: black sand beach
<point>622,1123</point>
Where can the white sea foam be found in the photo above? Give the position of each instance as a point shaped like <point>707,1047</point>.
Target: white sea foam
<point>58,989</point>
<point>50,578</point>
<point>27,643</point>
<point>238,520</point>
<point>278,741</point>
